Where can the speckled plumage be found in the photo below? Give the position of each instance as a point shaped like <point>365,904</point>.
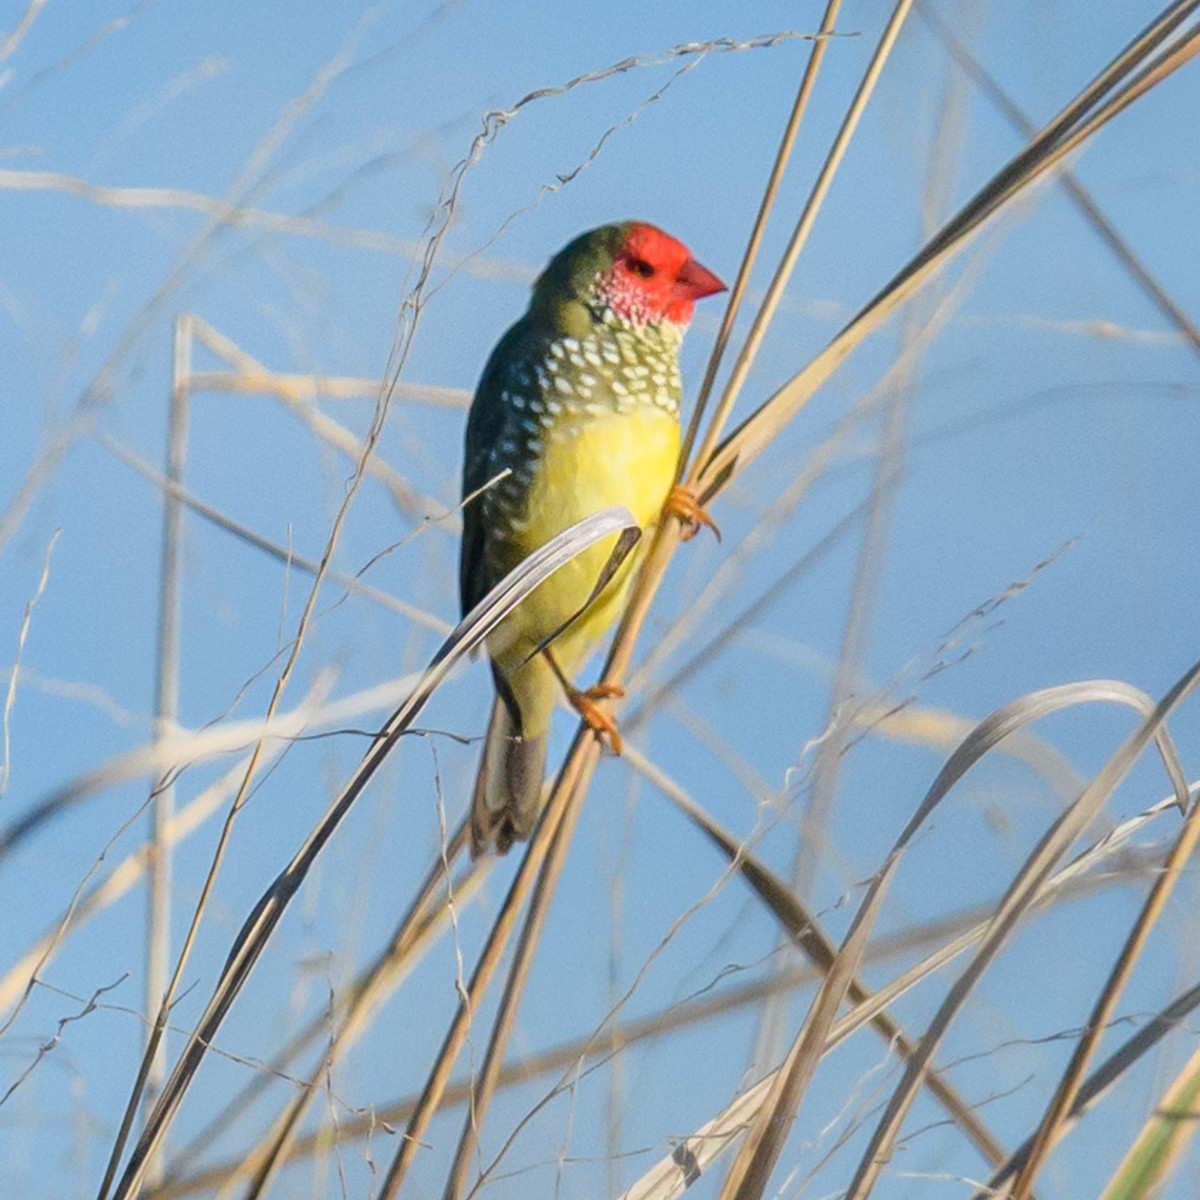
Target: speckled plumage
<point>579,402</point>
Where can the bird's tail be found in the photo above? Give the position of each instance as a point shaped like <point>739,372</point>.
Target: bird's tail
<point>508,789</point>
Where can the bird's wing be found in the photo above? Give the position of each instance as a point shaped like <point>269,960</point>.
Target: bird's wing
<point>485,429</point>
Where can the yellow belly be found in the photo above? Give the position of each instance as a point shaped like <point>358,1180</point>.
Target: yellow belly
<point>624,459</point>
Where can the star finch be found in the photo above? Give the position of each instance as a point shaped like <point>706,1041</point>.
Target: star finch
<point>580,403</point>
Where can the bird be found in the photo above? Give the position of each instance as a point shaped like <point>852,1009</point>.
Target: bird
<point>577,410</point>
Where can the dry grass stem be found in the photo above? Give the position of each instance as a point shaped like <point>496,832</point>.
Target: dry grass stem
<point>1080,196</point>
<point>1087,113</point>
<point>14,675</point>
<point>750,255</point>
<point>745,358</point>
<point>296,393</point>
<point>280,553</point>
<point>1065,1095</point>
<point>422,922</point>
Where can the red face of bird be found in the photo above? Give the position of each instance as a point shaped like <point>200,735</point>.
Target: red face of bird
<point>654,277</point>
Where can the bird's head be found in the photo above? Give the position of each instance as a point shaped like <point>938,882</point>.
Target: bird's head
<point>635,270</point>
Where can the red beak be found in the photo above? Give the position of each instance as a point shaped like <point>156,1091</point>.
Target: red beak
<point>695,281</point>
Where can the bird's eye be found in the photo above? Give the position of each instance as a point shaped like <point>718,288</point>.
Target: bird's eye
<point>639,266</point>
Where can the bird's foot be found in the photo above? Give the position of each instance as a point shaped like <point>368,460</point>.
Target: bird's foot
<point>682,503</point>
<point>584,702</point>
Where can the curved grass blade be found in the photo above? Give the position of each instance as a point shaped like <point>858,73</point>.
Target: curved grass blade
<point>258,927</point>
<point>673,1175</point>
<point>1037,868</point>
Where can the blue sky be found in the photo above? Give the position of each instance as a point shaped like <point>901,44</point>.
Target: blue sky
<point>1055,406</point>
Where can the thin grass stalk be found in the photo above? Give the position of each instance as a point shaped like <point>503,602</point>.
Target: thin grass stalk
<point>757,431</point>
<point>807,80</point>
<point>365,992</point>
<point>297,400</point>
<point>192,747</point>
<point>918,329</point>
<point>1058,132</point>
<point>1156,1151</point>
<point>568,782</point>
<point>156,1130</point>
<point>514,987</point>
<point>14,37</point>
<point>1063,1100</point>
<point>280,553</point>
<point>414,933</point>
<point>783,274</point>
<point>9,699</point>
<point>751,1171</point>
<point>336,387</point>
<point>1101,1080</point>
<point>1036,870</point>
<point>261,923</point>
<point>166,706</point>
<point>1159,68</point>
<point>1141,274</point>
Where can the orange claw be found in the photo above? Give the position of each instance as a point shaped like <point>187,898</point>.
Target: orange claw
<point>584,703</point>
<point>682,503</point>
